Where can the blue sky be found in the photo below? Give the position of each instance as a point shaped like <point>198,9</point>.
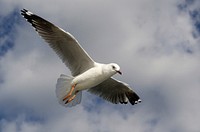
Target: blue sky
<point>157,49</point>
<point>7,34</point>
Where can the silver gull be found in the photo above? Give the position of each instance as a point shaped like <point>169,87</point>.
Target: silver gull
<point>86,73</point>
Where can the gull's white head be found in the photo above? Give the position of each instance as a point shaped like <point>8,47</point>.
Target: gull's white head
<point>115,68</point>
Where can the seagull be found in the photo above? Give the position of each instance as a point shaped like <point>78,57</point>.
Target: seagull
<point>86,73</point>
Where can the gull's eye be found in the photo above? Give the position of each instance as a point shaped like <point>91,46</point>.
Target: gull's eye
<point>113,67</point>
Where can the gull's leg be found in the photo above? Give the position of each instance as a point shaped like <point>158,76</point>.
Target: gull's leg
<point>70,99</point>
<point>70,92</point>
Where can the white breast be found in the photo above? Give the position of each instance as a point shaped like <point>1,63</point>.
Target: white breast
<point>90,78</point>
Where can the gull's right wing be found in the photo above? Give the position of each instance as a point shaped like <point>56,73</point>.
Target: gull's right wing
<point>63,43</point>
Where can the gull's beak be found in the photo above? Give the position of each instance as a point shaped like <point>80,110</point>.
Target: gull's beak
<point>119,72</point>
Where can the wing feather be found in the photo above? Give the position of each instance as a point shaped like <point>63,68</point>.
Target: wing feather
<point>116,92</point>
<point>63,43</point>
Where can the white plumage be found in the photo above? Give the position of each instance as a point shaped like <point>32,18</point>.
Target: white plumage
<point>86,73</point>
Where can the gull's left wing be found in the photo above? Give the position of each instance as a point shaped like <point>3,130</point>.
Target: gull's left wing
<point>116,92</point>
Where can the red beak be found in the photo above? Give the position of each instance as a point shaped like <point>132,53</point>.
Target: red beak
<point>119,72</point>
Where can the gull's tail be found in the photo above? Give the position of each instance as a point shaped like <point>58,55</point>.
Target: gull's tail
<point>63,86</point>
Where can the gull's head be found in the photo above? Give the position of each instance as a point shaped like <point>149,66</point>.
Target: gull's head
<point>115,68</point>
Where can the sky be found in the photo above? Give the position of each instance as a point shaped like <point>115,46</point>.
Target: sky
<point>155,42</point>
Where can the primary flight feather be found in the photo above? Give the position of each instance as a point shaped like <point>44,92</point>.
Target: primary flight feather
<point>86,73</point>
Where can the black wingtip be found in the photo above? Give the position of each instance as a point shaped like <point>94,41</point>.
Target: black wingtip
<point>24,12</point>
<point>133,98</point>
<point>29,16</point>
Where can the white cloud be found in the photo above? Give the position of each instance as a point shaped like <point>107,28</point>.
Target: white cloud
<point>150,41</point>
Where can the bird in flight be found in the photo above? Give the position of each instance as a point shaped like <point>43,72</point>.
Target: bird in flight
<point>86,73</point>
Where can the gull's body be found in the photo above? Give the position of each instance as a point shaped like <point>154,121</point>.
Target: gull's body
<point>92,77</point>
<point>86,73</point>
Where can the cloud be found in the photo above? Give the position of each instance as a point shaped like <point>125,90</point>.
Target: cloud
<point>153,42</point>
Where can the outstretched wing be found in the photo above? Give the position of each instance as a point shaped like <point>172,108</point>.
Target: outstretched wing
<point>116,92</point>
<point>63,43</point>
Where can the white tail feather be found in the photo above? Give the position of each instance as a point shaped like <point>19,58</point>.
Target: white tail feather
<point>63,87</point>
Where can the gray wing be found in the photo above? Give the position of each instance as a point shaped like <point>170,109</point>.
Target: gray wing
<point>63,43</point>
<point>116,92</point>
